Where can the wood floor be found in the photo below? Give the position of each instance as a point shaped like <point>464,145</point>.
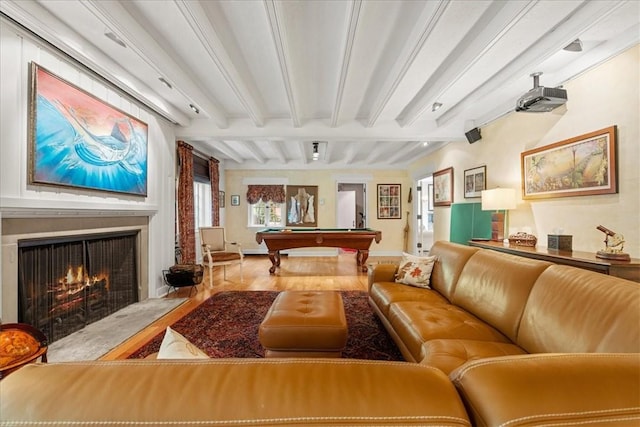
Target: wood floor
<point>295,273</point>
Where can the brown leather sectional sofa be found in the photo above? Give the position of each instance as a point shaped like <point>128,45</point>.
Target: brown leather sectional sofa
<point>524,341</point>
<point>580,328</point>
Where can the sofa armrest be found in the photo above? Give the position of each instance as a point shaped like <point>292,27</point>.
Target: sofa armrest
<point>381,273</point>
<point>558,389</point>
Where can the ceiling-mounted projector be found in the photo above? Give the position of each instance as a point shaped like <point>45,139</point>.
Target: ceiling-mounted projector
<point>541,99</point>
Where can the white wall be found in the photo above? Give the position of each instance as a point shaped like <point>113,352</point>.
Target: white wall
<point>19,199</point>
<point>604,96</point>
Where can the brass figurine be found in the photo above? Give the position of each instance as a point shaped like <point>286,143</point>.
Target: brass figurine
<point>614,245</point>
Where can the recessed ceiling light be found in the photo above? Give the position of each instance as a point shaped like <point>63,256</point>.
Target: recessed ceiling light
<point>425,144</point>
<point>165,82</point>
<point>194,108</point>
<point>113,37</point>
<point>436,106</point>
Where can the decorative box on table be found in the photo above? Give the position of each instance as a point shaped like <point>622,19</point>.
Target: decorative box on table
<point>523,239</point>
<point>560,242</point>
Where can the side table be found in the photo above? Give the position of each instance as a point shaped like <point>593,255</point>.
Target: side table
<point>20,344</point>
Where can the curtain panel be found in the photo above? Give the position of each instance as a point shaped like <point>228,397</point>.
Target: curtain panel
<point>274,193</point>
<point>186,214</point>
<point>214,175</point>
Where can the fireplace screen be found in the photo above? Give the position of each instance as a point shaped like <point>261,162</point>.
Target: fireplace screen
<point>66,283</point>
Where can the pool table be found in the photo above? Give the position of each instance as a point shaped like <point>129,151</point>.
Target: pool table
<point>357,238</point>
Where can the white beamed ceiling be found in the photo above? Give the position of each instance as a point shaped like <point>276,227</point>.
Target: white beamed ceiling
<point>270,77</point>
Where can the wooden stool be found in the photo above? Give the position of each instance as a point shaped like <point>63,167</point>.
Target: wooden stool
<point>304,324</point>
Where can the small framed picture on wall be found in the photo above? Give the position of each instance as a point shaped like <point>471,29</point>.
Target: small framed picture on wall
<point>475,180</point>
<point>235,200</point>
<point>389,201</point>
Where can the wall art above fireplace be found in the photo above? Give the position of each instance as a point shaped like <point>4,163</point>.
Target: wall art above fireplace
<point>77,140</point>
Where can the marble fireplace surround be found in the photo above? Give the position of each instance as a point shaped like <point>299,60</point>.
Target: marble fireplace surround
<point>15,229</point>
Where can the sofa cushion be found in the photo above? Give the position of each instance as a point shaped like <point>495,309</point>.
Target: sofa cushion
<point>418,322</point>
<point>495,286</point>
<point>415,271</point>
<point>385,293</point>
<point>552,390</point>
<point>231,392</point>
<point>579,311</point>
<point>451,259</point>
<point>449,354</point>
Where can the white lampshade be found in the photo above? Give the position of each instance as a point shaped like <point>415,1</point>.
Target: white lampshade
<point>499,199</point>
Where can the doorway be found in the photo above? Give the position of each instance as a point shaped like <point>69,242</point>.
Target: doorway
<point>350,205</point>
<point>424,229</point>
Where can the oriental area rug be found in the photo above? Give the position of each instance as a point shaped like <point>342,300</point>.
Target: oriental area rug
<point>226,325</point>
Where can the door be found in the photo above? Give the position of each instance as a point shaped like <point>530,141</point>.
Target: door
<point>352,212</point>
<point>424,230</point>
<point>346,209</point>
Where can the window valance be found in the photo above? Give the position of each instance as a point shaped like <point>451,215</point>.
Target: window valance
<point>274,193</point>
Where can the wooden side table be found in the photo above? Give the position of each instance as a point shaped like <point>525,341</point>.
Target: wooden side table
<point>20,344</point>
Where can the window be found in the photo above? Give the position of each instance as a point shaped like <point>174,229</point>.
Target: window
<point>268,214</point>
<point>202,204</point>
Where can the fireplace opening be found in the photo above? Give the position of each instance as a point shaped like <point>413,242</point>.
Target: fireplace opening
<point>67,283</point>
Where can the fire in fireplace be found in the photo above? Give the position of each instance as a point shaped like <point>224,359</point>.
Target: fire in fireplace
<point>66,283</point>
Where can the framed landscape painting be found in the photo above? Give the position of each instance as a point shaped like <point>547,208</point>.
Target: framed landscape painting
<point>580,166</point>
<point>77,140</point>
<point>443,187</point>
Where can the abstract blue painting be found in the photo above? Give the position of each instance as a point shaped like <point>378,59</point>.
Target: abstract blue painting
<point>81,141</point>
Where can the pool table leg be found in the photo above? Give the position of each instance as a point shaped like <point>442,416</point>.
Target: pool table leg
<point>361,258</point>
<point>274,256</point>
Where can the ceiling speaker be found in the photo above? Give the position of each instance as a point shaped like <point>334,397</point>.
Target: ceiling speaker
<point>473,135</point>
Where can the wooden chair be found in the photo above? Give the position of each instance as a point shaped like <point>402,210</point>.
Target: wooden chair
<point>216,251</point>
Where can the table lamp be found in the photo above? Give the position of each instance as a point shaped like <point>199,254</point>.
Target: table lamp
<point>499,199</point>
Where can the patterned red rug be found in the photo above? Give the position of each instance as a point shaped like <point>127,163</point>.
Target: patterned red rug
<point>226,325</point>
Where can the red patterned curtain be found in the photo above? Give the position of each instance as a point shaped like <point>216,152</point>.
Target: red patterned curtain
<point>186,215</point>
<point>214,175</point>
<point>275,193</point>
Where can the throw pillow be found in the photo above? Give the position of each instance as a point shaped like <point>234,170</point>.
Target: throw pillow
<point>415,271</point>
<point>175,346</point>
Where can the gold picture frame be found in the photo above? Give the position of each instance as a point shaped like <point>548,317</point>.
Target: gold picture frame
<point>443,187</point>
<point>581,166</point>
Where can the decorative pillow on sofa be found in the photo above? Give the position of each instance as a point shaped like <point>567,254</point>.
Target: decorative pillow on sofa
<point>175,346</point>
<point>415,271</point>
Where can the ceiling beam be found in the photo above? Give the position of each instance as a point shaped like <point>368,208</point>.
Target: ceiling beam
<point>254,151</point>
<point>430,16</point>
<point>277,148</point>
<point>279,35</point>
<point>118,20</point>
<point>404,150</point>
<point>302,152</point>
<point>28,15</point>
<point>492,26</point>
<point>225,148</point>
<point>354,16</point>
<point>196,17</point>
<point>584,16</point>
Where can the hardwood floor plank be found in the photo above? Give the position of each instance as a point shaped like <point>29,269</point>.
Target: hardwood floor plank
<point>338,273</point>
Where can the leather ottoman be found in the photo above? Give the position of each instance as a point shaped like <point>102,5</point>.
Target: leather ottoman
<point>305,324</point>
